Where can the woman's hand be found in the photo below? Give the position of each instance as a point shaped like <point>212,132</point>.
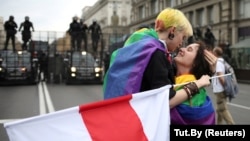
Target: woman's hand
<point>211,59</point>
<point>203,81</point>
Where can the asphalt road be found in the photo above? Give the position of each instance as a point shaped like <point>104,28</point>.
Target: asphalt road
<point>239,107</point>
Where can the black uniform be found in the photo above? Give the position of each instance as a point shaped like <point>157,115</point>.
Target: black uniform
<point>26,33</point>
<point>96,32</point>
<point>164,76</point>
<point>75,33</point>
<point>209,38</point>
<point>84,30</point>
<point>43,66</point>
<point>10,28</point>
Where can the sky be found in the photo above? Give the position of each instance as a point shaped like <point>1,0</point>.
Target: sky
<point>46,15</point>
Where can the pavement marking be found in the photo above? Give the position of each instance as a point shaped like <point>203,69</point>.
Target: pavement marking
<point>44,97</point>
<point>240,106</point>
<point>48,98</point>
<point>42,106</point>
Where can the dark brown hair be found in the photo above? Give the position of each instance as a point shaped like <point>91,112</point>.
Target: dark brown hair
<point>200,65</point>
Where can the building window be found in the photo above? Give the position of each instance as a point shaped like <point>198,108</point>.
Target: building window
<point>191,17</point>
<point>171,3</point>
<point>154,6</point>
<point>178,2</point>
<point>166,3</point>
<point>244,32</point>
<point>200,17</point>
<point>141,12</point>
<point>244,10</point>
<point>210,15</point>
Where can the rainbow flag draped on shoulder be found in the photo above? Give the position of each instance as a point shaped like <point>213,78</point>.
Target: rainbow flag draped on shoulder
<point>201,112</point>
<point>133,59</point>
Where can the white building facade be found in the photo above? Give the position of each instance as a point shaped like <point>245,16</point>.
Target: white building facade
<point>103,10</point>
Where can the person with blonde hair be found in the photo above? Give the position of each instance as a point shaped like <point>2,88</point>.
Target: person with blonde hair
<point>144,63</point>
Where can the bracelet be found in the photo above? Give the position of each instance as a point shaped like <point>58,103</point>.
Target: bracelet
<point>188,94</point>
<point>193,88</point>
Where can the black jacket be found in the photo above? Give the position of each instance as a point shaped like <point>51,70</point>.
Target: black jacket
<point>159,72</point>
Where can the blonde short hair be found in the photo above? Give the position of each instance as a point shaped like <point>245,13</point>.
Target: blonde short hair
<point>171,17</point>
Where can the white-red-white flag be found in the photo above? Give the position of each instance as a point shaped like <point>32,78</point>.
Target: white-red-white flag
<point>136,117</point>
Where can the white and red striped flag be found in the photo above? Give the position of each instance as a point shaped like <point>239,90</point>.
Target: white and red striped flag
<point>138,117</point>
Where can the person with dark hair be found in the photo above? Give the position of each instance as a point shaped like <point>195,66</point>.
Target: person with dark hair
<point>84,37</point>
<point>75,33</point>
<point>26,33</point>
<point>10,28</point>
<point>190,65</point>
<point>96,33</point>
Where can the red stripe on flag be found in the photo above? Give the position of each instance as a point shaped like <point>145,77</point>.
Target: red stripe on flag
<point>113,120</point>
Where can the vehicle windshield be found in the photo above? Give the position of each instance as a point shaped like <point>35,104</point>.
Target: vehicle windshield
<point>83,60</point>
<point>16,60</point>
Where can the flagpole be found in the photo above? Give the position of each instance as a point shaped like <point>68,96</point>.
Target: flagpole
<point>210,79</point>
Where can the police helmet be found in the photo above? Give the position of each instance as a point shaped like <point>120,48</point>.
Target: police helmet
<point>75,18</point>
<point>26,18</point>
<point>11,17</point>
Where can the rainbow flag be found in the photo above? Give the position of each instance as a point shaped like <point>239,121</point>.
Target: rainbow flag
<point>201,112</point>
<point>127,64</point>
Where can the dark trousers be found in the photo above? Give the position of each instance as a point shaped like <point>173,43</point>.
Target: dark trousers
<point>26,36</point>
<point>45,74</point>
<point>95,44</point>
<point>75,43</point>
<point>85,41</point>
<point>8,37</point>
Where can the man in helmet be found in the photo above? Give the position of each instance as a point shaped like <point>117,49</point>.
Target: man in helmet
<point>75,33</point>
<point>209,38</point>
<point>10,28</point>
<point>26,33</point>
<point>96,32</point>
<point>198,33</point>
<point>84,30</point>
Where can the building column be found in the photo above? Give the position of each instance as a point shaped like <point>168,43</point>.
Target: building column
<point>195,19</point>
<point>205,16</point>
<point>234,34</point>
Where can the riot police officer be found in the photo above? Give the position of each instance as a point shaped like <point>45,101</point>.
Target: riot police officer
<point>75,33</point>
<point>43,67</point>
<point>10,28</point>
<point>209,37</point>
<point>84,37</point>
<point>96,32</point>
<point>26,33</point>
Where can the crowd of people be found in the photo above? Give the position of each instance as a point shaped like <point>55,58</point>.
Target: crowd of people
<point>208,37</point>
<point>78,30</point>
